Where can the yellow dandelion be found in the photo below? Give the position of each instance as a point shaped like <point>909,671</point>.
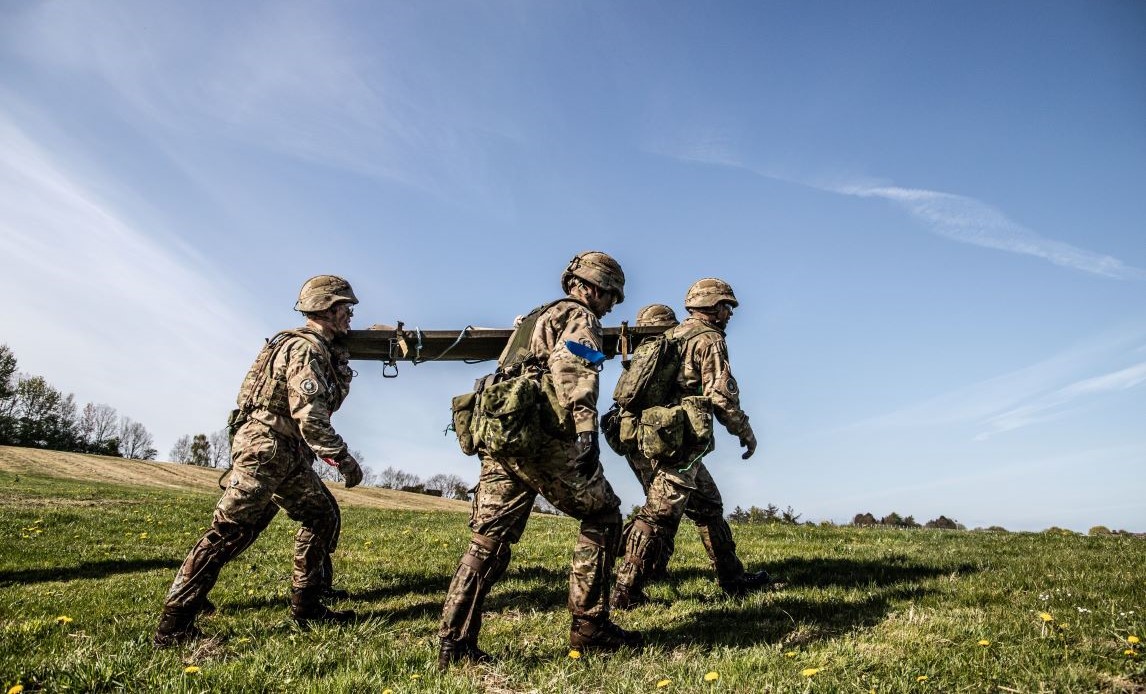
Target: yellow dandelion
<point>143,536</point>
<point>63,619</point>
<point>808,672</point>
<point>711,676</point>
<point>790,654</point>
<point>387,691</point>
<point>1132,639</point>
<point>15,689</point>
<point>984,642</point>
<point>250,591</point>
<point>663,683</point>
<point>574,654</point>
<point>1128,652</point>
<point>921,678</point>
<point>1046,617</point>
<point>191,669</point>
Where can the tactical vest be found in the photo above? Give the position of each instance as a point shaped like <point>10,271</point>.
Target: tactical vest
<point>516,354</point>
<point>649,379</point>
<point>265,388</point>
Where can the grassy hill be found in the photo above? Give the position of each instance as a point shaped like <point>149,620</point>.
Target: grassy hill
<point>90,546</point>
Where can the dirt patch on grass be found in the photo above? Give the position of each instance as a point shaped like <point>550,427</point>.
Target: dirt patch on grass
<point>188,478</point>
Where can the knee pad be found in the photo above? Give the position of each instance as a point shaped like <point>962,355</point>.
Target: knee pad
<point>487,557</point>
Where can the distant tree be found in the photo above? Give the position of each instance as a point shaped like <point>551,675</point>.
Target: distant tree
<point>392,478</point>
<point>99,429</point>
<point>43,417</point>
<point>997,529</point>
<point>789,516</point>
<point>200,451</point>
<point>738,515</point>
<point>181,451</point>
<point>451,486</point>
<point>135,441</point>
<point>892,519</point>
<point>7,395</point>
<point>220,448</point>
<point>1100,531</point>
<point>942,523</point>
<point>864,520</point>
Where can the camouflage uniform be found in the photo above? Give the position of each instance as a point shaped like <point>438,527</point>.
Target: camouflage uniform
<point>559,471</point>
<point>674,489</point>
<point>272,453</point>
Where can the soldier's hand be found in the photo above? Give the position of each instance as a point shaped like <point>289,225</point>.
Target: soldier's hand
<point>588,452</point>
<point>351,471</point>
<point>748,441</point>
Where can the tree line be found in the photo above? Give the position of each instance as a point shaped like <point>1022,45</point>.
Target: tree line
<point>35,414</point>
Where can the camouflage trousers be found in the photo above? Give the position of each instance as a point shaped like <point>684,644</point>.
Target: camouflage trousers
<point>269,471</point>
<point>502,503</point>
<point>672,492</point>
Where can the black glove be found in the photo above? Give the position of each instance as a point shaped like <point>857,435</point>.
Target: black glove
<point>588,452</point>
<point>351,471</point>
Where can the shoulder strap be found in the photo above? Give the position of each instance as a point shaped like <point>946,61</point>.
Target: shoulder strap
<point>517,349</point>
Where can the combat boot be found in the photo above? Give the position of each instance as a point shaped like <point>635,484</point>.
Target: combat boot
<point>176,626</point>
<point>749,583</point>
<point>601,635</point>
<point>335,594</point>
<point>306,608</point>
<point>454,650</point>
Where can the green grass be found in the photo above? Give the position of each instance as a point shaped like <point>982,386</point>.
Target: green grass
<point>869,609</point>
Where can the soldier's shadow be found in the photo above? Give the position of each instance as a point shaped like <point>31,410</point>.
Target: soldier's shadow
<point>788,617</point>
<point>94,569</point>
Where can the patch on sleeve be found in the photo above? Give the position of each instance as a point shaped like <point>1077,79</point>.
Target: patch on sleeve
<point>308,386</point>
<point>730,384</point>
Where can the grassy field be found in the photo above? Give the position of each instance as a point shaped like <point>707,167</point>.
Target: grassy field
<point>84,565</point>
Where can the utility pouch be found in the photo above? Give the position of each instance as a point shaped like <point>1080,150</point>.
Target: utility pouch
<point>698,410</point>
<point>234,421</point>
<point>661,433</point>
<point>462,410</point>
<point>611,430</point>
<point>556,421</point>
<point>508,417</point>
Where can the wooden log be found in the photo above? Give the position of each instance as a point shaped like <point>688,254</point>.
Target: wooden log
<point>390,343</point>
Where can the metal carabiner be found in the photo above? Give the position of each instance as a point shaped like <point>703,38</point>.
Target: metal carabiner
<point>389,365</point>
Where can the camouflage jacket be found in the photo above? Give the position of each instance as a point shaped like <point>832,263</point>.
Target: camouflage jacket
<point>317,378</point>
<point>575,380</point>
<point>705,370</point>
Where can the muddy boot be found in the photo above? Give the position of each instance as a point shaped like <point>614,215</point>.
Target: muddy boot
<point>306,608</point>
<point>749,583</point>
<point>601,635</point>
<point>176,626</point>
<point>454,650</point>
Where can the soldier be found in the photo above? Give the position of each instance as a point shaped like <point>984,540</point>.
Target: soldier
<point>567,471</point>
<point>282,422</point>
<point>675,488</point>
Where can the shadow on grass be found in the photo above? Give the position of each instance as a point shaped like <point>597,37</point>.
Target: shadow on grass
<point>96,569</point>
<point>787,617</point>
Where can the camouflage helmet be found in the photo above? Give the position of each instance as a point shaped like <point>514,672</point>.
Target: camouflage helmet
<point>323,291</point>
<point>709,292</point>
<point>598,269</point>
<point>656,314</point>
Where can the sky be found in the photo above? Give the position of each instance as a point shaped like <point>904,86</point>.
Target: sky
<point>932,214</point>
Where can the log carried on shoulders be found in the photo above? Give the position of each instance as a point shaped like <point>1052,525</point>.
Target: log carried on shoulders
<point>390,344</point>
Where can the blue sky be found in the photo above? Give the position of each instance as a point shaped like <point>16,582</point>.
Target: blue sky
<point>932,213</point>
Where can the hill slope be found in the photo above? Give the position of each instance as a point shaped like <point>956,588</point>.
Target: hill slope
<point>149,473</point>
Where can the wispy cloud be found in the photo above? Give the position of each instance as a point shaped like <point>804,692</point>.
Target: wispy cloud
<point>952,216</point>
<point>1058,402</point>
<point>100,309</point>
<point>287,77</point>
<point>1033,394</point>
<point>972,221</point>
